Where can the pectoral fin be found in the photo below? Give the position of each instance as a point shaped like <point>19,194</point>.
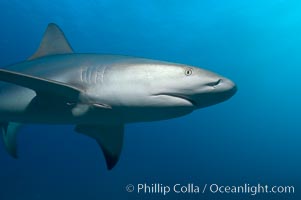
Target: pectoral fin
<point>109,138</point>
<point>9,132</point>
<point>40,84</point>
<point>44,86</point>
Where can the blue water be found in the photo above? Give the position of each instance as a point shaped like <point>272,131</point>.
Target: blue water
<point>252,138</point>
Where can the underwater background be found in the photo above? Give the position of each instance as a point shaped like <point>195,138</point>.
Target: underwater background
<point>252,138</point>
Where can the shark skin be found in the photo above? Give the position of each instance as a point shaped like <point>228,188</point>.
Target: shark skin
<point>100,93</point>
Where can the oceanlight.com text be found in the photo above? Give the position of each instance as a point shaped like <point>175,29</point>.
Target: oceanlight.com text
<point>192,188</point>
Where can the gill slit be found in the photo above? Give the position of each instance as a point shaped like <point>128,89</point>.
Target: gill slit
<point>103,73</point>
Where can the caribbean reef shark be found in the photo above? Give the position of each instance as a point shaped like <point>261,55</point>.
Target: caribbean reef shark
<point>99,93</point>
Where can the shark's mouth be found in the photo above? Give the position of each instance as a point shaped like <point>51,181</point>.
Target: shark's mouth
<point>179,96</point>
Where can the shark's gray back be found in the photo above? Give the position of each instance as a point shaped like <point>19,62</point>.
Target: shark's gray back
<point>81,67</point>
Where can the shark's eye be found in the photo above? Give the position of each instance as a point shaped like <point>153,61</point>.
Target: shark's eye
<point>188,72</point>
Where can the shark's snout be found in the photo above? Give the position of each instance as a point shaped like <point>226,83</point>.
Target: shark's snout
<point>227,86</point>
<point>219,90</point>
<point>224,90</point>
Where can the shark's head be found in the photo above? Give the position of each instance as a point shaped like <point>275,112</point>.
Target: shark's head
<point>180,85</point>
<point>147,83</point>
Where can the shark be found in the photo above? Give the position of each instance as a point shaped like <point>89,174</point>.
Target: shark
<point>99,93</point>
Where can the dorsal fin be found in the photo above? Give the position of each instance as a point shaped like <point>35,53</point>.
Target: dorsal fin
<point>53,42</point>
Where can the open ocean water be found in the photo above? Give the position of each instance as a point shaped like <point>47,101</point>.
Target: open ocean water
<point>253,138</point>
